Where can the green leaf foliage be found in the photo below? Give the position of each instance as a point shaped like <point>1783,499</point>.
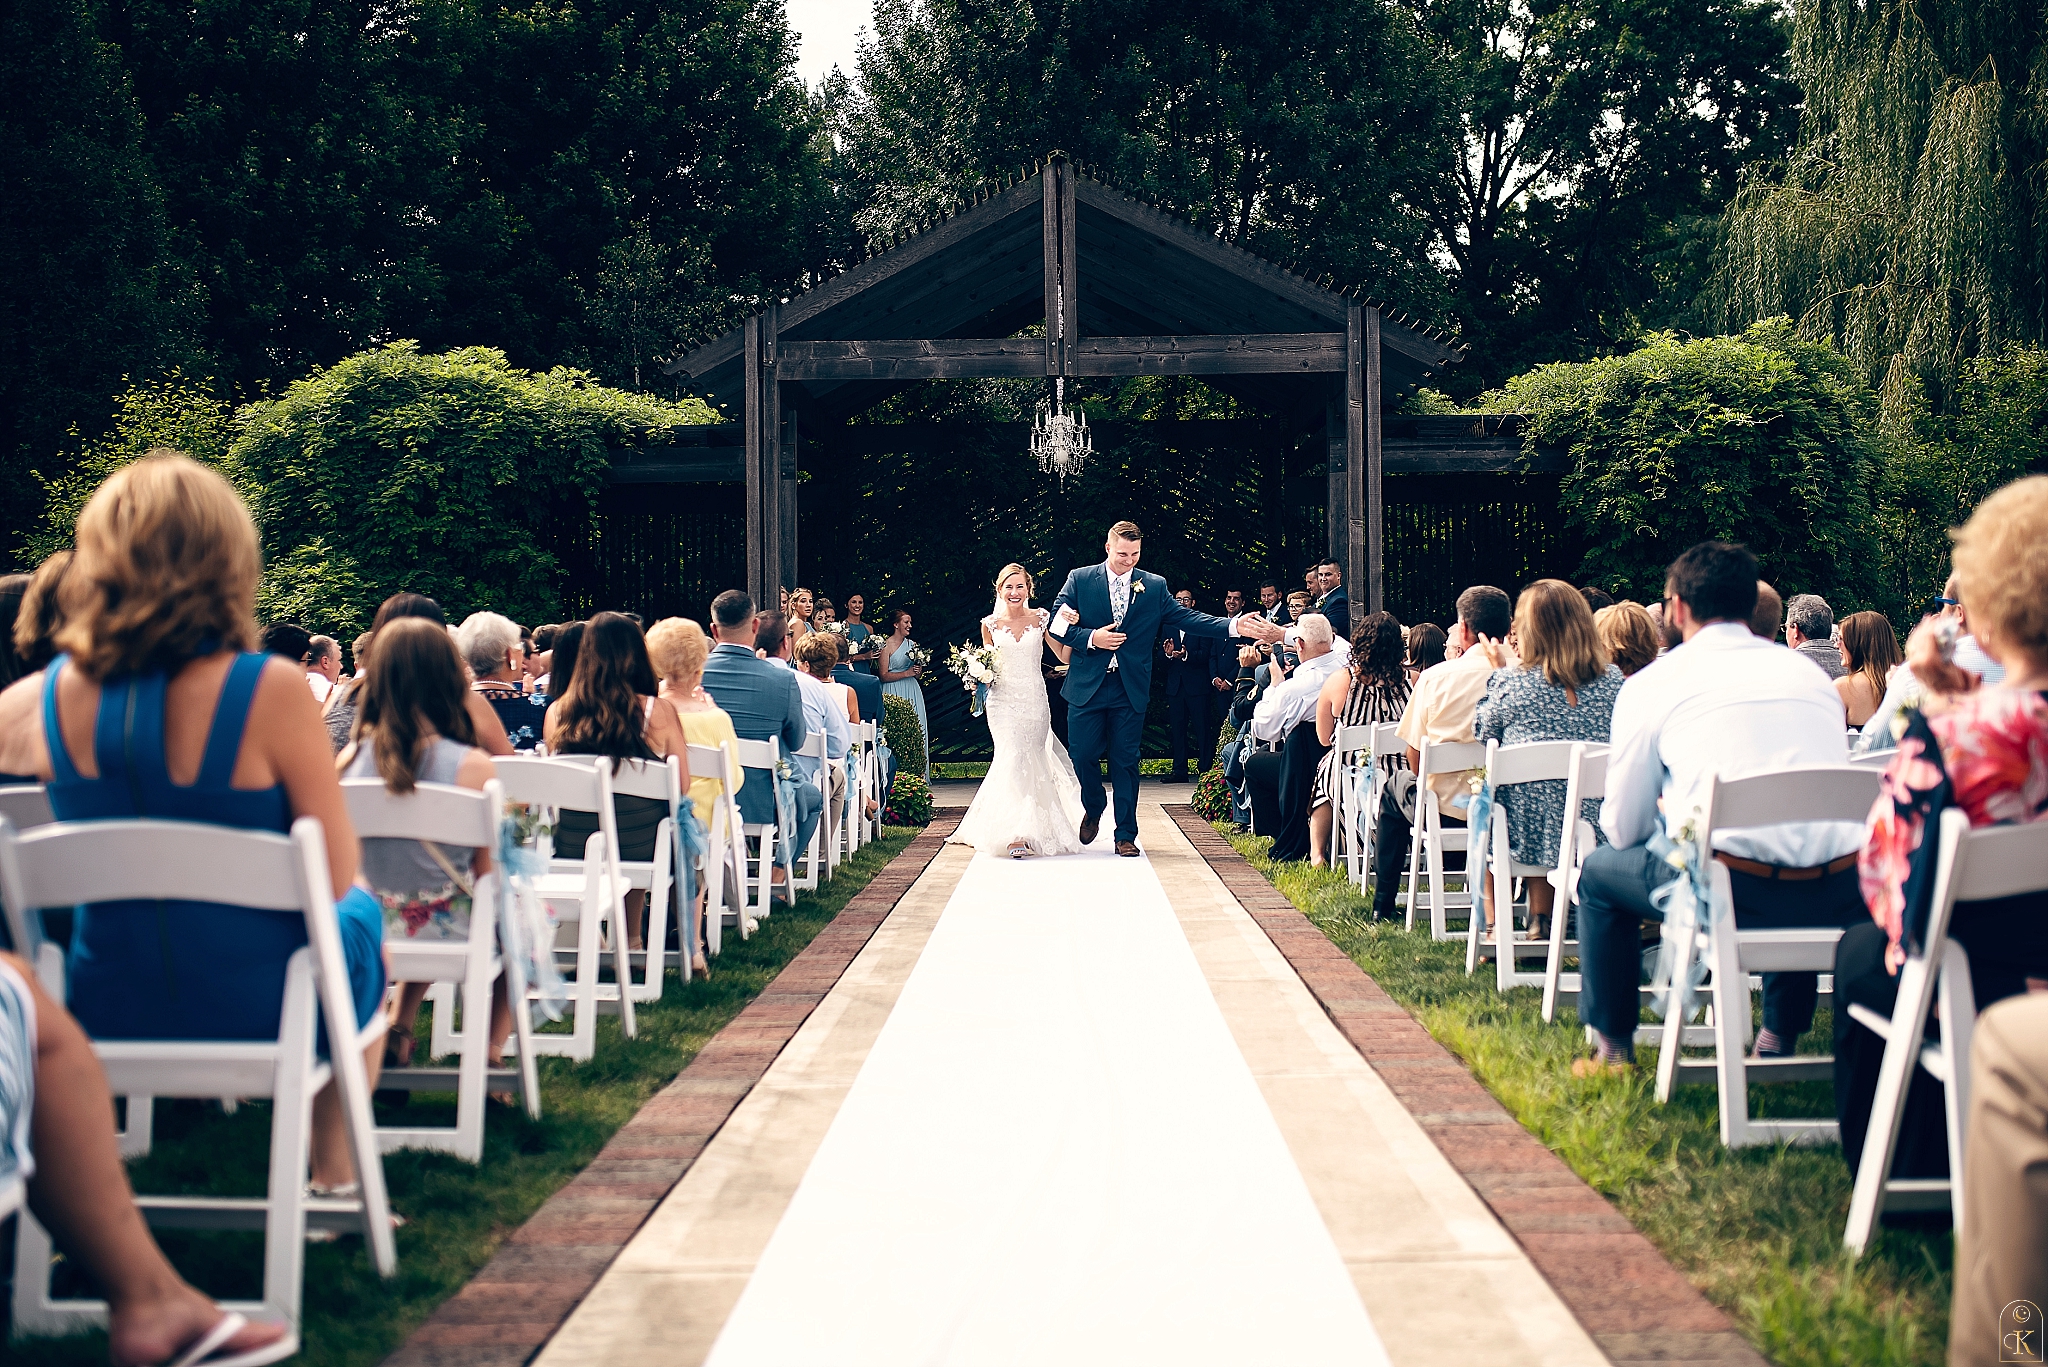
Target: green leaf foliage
<point>905,734</point>
<point>1761,438</point>
<point>910,802</point>
<point>455,475</point>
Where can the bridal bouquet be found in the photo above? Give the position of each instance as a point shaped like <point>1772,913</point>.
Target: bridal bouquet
<point>977,668</point>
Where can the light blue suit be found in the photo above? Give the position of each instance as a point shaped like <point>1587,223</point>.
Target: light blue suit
<point>764,702</point>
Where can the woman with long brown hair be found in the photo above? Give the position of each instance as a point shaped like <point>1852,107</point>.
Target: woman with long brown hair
<point>612,708</point>
<point>413,726</point>
<point>1374,688</point>
<point>1870,651</point>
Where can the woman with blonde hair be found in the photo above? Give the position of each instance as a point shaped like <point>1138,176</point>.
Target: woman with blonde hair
<point>161,707</point>
<point>1628,634</point>
<point>678,647</point>
<point>1870,651</point>
<point>1554,683</point>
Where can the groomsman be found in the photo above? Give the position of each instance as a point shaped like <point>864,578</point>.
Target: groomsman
<point>1187,672</point>
<point>1334,603</point>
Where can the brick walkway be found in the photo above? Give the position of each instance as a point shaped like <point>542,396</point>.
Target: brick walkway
<point>515,1304</point>
<point>1636,1305</point>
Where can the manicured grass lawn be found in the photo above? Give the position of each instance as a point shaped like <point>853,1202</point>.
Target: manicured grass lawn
<point>1758,1231</point>
<point>456,1214</point>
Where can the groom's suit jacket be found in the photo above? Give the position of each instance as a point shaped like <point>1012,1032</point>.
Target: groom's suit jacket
<point>1152,610</point>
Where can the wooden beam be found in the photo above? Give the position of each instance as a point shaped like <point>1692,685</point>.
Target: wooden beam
<point>772,520</point>
<point>1051,271</point>
<point>760,485</point>
<point>1375,463</point>
<point>1266,353</point>
<point>1070,266</point>
<point>940,358</point>
<point>1335,525</point>
<point>1358,566</point>
<point>707,467</point>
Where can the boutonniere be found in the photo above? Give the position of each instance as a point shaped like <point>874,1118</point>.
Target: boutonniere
<point>1137,586</point>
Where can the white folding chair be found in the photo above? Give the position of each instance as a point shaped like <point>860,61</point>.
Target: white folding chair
<point>460,818</point>
<point>1430,839</point>
<point>726,855</point>
<point>1586,782</point>
<point>861,788</point>
<point>585,889</point>
<point>1875,759</point>
<point>1351,815</point>
<point>1780,796</point>
<point>76,863</point>
<point>757,862</point>
<point>810,868</point>
<point>661,780</point>
<point>1973,865</point>
<point>1509,766</point>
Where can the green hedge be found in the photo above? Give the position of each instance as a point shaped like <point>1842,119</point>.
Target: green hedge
<point>905,735</point>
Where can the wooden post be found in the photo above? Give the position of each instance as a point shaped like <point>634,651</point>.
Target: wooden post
<point>1062,269</point>
<point>775,554</point>
<point>1336,524</point>
<point>787,465</point>
<point>1375,466</point>
<point>1356,551</point>
<point>760,481</point>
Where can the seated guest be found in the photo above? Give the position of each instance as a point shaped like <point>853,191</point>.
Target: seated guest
<point>1870,651</point>
<point>830,708</point>
<point>1769,612</point>
<point>1991,742</point>
<point>539,653</point>
<point>1809,630</point>
<point>1425,648</point>
<point>490,648</point>
<point>611,709</point>
<point>412,727</point>
<point>288,639</point>
<point>13,588</point>
<point>765,702</point>
<point>323,666</point>
<point>2002,1212</point>
<point>1440,710</point>
<point>678,647</point>
<point>42,612</point>
<point>1628,635</point>
<point>1881,731</point>
<point>159,708</point>
<point>1374,688</point>
<point>1596,597</point>
<point>340,715</point>
<point>1283,780</point>
<point>1723,702</point>
<point>1562,687</point>
<point>54,1137</point>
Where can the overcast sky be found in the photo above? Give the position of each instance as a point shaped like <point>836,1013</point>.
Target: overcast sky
<point>825,31</point>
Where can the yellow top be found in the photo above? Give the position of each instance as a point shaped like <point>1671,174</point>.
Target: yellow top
<point>709,728</point>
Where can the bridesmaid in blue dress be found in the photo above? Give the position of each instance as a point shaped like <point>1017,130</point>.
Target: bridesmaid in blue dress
<point>158,709</point>
<point>899,675</point>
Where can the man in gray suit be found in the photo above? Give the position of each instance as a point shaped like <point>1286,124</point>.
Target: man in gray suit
<point>764,702</point>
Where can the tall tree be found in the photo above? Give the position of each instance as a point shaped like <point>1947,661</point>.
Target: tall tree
<point>1907,224</point>
<point>1599,138</point>
<point>1292,127</point>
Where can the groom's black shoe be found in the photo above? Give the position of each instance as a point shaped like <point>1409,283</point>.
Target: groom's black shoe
<point>1127,848</point>
<point>1091,823</point>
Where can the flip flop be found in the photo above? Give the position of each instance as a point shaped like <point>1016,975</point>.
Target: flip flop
<point>200,1354</point>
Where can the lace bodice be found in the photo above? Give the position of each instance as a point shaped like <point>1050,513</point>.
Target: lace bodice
<point>1019,656</point>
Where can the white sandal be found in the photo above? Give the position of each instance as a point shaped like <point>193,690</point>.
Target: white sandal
<point>200,1354</point>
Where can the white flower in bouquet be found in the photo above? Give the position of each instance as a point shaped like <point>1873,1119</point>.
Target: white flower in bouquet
<point>976,667</point>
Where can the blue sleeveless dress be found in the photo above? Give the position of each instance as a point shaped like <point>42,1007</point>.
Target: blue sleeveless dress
<point>186,970</point>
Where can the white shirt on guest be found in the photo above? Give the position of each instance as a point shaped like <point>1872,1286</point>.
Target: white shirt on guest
<point>321,686</point>
<point>1286,705</point>
<point>1729,703</point>
<point>824,712</point>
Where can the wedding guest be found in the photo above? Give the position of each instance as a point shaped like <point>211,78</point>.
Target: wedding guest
<point>1596,597</point>
<point>538,656</point>
<point>490,648</point>
<point>42,612</point>
<point>1425,648</point>
<point>563,666</point>
<point>611,709</point>
<point>1870,651</point>
<point>340,715</point>
<point>1769,613</point>
<point>1311,585</point>
<point>1334,603</point>
<point>859,634</point>
<point>55,1137</point>
<point>1282,781</point>
<point>765,702</point>
<point>2001,1255</point>
<point>899,675</point>
<point>323,666</point>
<point>1880,732</point>
<point>677,647</point>
<point>357,651</point>
<point>13,588</point>
<point>1374,688</point>
<point>1554,683</point>
<point>1727,702</point>
<point>1809,630</point>
<point>159,635</point>
<point>1440,709</point>
<point>287,639</point>
<point>1991,742</point>
<point>1627,635</point>
<point>412,727</point>
<point>828,707</point>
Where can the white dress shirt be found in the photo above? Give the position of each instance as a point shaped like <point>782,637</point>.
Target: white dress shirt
<point>1289,704</point>
<point>1729,703</point>
<point>824,713</point>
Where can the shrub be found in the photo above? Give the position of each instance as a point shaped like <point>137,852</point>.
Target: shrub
<point>1762,438</point>
<point>905,736</point>
<point>910,802</point>
<point>1212,796</point>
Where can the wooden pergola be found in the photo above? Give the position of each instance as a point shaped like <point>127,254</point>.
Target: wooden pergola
<point>1123,289</point>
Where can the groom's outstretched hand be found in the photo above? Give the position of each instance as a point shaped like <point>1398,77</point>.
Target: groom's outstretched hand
<point>1252,625</point>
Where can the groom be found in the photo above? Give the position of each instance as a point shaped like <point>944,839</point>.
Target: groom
<point>1111,615</point>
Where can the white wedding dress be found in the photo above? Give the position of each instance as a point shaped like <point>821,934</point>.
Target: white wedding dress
<point>1031,793</point>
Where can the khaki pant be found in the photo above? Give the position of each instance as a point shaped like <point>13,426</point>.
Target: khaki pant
<point>2002,1255</point>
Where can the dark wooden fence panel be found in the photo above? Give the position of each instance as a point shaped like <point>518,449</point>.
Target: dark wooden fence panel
<point>661,550</point>
<point>1446,533</point>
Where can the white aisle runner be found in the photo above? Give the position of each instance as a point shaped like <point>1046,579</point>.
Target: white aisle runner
<point>1054,1154</point>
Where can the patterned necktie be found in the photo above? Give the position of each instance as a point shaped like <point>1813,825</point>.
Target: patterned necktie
<point>1119,595</point>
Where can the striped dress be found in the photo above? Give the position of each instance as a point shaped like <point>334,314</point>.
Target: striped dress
<point>1370,700</point>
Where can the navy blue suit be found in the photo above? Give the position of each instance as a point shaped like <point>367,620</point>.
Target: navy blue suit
<point>1105,707</point>
<point>1187,698</point>
<point>1336,606</point>
<point>764,701</point>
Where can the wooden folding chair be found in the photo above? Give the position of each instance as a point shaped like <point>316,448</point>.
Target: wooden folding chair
<point>1430,840</point>
<point>460,818</point>
<point>74,863</point>
<point>1509,766</point>
<point>1778,797</point>
<point>1973,865</point>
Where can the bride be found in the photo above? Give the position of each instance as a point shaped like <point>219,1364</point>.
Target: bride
<point>1030,802</point>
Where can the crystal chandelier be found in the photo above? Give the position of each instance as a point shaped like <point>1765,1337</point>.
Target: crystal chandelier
<point>1059,439</point>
